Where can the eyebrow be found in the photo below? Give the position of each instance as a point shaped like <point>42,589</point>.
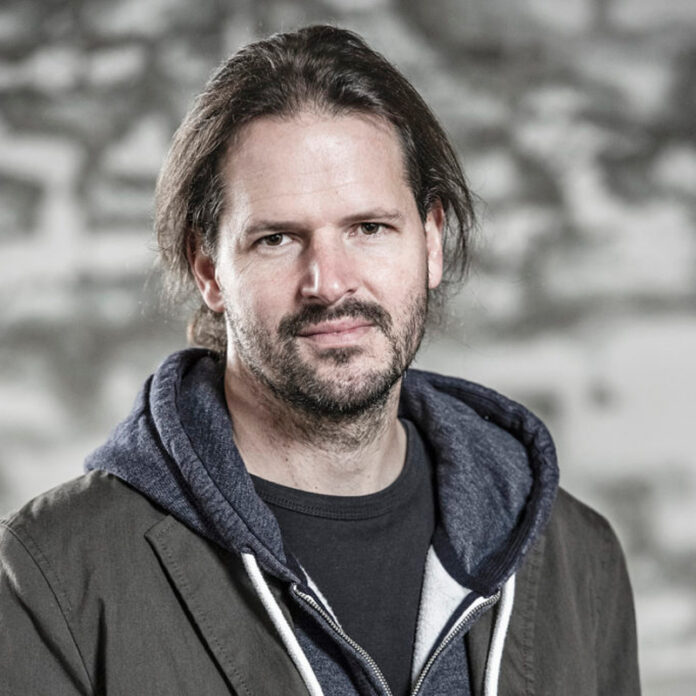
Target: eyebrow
<point>272,226</point>
<point>275,226</point>
<point>376,214</point>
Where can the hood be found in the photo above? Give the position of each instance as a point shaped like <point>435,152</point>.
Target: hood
<point>496,473</point>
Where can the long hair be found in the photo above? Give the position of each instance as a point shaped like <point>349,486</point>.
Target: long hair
<point>321,68</point>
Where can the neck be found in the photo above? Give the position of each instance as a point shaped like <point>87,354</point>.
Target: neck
<point>347,455</point>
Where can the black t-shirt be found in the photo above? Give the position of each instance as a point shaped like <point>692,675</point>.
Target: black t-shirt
<point>366,554</point>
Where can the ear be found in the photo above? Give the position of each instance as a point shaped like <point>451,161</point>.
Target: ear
<point>434,225</point>
<point>204,273</point>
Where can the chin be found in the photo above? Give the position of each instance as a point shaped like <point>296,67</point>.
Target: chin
<point>347,392</point>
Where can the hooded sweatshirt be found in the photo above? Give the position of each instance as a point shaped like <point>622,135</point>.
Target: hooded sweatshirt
<point>496,479</point>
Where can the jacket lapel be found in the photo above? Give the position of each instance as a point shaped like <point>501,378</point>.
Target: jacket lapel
<point>221,601</point>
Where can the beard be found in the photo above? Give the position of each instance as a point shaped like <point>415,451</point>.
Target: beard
<point>347,391</point>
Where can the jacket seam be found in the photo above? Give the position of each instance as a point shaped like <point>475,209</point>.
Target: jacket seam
<point>534,561</point>
<point>53,583</point>
<point>604,563</point>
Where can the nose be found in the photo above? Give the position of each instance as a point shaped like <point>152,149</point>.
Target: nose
<point>329,274</point>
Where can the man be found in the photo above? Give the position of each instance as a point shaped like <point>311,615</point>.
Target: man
<point>288,511</point>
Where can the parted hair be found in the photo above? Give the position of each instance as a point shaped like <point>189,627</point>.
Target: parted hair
<point>320,68</point>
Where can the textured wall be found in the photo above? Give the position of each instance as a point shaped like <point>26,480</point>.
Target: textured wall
<point>575,123</point>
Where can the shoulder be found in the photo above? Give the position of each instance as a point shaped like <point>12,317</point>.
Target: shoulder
<point>579,525</point>
<point>85,507</point>
<point>90,530</point>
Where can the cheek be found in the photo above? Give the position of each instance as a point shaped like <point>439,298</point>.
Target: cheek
<point>260,300</point>
<point>401,298</point>
<point>402,276</point>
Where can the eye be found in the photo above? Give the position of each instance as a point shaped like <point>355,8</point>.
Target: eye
<point>272,240</point>
<point>370,228</point>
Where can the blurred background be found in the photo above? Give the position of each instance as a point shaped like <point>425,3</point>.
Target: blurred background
<point>575,123</point>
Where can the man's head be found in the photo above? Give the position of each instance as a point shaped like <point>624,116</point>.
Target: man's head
<point>323,264</point>
<point>316,70</point>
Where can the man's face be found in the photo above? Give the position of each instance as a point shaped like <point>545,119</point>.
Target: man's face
<point>323,264</point>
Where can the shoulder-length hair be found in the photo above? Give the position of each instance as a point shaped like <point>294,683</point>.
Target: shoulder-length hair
<point>319,68</point>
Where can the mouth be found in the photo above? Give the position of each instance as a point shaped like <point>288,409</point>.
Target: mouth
<point>339,332</point>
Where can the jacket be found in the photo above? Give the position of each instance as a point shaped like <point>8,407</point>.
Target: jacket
<point>161,571</point>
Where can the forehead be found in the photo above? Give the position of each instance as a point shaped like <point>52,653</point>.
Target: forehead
<point>315,162</point>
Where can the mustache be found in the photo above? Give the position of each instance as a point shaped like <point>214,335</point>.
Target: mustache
<point>291,326</point>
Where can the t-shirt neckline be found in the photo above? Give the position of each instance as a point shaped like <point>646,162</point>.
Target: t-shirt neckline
<point>349,507</point>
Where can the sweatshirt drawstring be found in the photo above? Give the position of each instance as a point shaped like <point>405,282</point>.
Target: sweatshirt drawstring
<point>276,615</point>
<point>495,654</point>
<point>502,622</point>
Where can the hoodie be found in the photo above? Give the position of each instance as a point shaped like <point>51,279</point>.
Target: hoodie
<point>496,480</point>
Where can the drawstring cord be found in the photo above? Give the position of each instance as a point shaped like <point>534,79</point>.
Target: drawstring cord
<point>495,654</point>
<point>287,635</point>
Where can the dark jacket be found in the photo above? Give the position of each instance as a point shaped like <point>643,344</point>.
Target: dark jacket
<point>137,579</point>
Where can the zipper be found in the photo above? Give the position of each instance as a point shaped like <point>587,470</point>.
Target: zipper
<point>340,632</point>
<point>476,607</point>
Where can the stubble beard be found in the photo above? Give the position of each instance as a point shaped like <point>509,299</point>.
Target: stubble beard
<point>297,382</point>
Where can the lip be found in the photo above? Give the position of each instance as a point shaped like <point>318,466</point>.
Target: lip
<point>334,327</point>
<point>337,332</point>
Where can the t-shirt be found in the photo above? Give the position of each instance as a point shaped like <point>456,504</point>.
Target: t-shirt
<point>366,554</point>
